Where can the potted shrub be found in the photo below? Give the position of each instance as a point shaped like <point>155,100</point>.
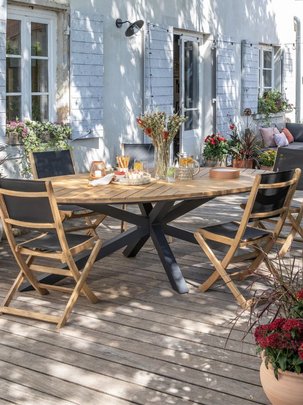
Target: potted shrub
<point>215,150</point>
<point>244,148</point>
<point>43,136</point>
<point>281,371</point>
<point>273,102</point>
<point>277,317</point>
<point>267,159</point>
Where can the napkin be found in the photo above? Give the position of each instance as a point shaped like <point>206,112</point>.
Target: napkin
<point>102,181</point>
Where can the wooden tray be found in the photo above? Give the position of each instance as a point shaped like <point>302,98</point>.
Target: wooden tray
<point>224,173</point>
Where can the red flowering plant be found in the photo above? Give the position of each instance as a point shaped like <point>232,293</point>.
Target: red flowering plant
<point>281,342</point>
<point>276,314</point>
<point>161,129</point>
<point>215,147</point>
<point>280,339</point>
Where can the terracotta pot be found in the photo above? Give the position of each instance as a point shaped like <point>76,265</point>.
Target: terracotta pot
<point>287,390</point>
<point>243,163</point>
<point>215,163</point>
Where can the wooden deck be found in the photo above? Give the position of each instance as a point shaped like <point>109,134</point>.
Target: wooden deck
<point>141,344</point>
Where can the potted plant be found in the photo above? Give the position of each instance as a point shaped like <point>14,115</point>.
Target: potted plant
<point>267,159</point>
<point>215,150</point>
<point>273,102</point>
<point>277,319</point>
<point>15,132</point>
<point>43,136</point>
<point>244,148</point>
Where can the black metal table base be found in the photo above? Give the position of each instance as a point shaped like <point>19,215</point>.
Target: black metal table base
<point>152,222</point>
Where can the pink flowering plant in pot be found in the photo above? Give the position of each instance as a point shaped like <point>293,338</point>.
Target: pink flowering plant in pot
<point>281,344</point>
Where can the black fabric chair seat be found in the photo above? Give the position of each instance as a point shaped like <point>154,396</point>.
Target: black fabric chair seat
<point>230,229</point>
<point>50,242</point>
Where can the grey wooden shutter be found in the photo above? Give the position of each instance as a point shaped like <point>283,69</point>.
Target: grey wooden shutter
<point>225,84</point>
<point>158,69</point>
<point>2,67</point>
<point>249,76</point>
<point>86,74</point>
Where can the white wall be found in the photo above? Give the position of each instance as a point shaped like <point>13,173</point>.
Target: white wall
<point>257,21</point>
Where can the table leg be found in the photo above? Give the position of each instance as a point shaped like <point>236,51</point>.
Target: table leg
<point>168,260</point>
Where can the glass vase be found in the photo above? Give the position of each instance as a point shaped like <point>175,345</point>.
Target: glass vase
<point>161,161</point>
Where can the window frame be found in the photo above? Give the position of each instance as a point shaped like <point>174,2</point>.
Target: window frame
<point>262,88</point>
<point>28,16</point>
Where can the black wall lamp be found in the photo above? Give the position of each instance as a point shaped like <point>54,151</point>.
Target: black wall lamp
<point>133,27</point>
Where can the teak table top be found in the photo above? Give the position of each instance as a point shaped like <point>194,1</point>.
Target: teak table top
<point>76,189</point>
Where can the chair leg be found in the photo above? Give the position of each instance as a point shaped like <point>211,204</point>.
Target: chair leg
<point>80,285</point>
<point>18,281</point>
<point>296,228</point>
<point>220,271</point>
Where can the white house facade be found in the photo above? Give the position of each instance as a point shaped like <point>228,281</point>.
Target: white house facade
<point>67,61</point>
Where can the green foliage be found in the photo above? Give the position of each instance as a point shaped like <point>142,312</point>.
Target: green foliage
<point>38,137</point>
<point>267,158</point>
<point>273,102</point>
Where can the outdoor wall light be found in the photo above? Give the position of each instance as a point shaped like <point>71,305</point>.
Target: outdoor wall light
<point>133,27</point>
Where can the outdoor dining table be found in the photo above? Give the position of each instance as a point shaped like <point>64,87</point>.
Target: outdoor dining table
<point>159,204</point>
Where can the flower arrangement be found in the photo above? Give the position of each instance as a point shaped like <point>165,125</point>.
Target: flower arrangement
<point>267,158</point>
<point>281,342</point>
<point>15,132</point>
<point>161,129</point>
<point>215,147</point>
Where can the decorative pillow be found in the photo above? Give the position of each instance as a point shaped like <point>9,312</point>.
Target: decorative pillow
<point>288,135</point>
<point>296,131</point>
<point>281,139</point>
<point>268,136</point>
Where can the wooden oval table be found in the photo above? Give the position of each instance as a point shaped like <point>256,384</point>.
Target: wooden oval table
<point>159,203</point>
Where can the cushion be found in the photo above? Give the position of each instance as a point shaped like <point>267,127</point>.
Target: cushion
<point>281,139</point>
<point>288,135</point>
<point>268,136</point>
<point>296,131</point>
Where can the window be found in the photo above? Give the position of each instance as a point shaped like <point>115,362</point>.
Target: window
<point>270,68</point>
<point>30,65</point>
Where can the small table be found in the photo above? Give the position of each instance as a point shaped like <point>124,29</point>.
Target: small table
<point>159,203</point>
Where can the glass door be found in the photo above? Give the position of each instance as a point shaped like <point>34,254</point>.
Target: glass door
<point>190,106</point>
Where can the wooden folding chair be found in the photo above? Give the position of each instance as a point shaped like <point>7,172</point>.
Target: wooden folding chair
<point>31,204</point>
<point>287,159</point>
<point>61,163</point>
<point>270,196</point>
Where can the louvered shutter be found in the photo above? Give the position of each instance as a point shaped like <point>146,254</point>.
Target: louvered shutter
<point>250,76</point>
<point>2,66</point>
<point>158,69</point>
<point>225,85</point>
<point>86,74</point>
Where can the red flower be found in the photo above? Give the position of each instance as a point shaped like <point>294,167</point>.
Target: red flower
<point>299,295</point>
<point>232,127</point>
<point>165,135</point>
<point>148,131</point>
<point>300,351</point>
